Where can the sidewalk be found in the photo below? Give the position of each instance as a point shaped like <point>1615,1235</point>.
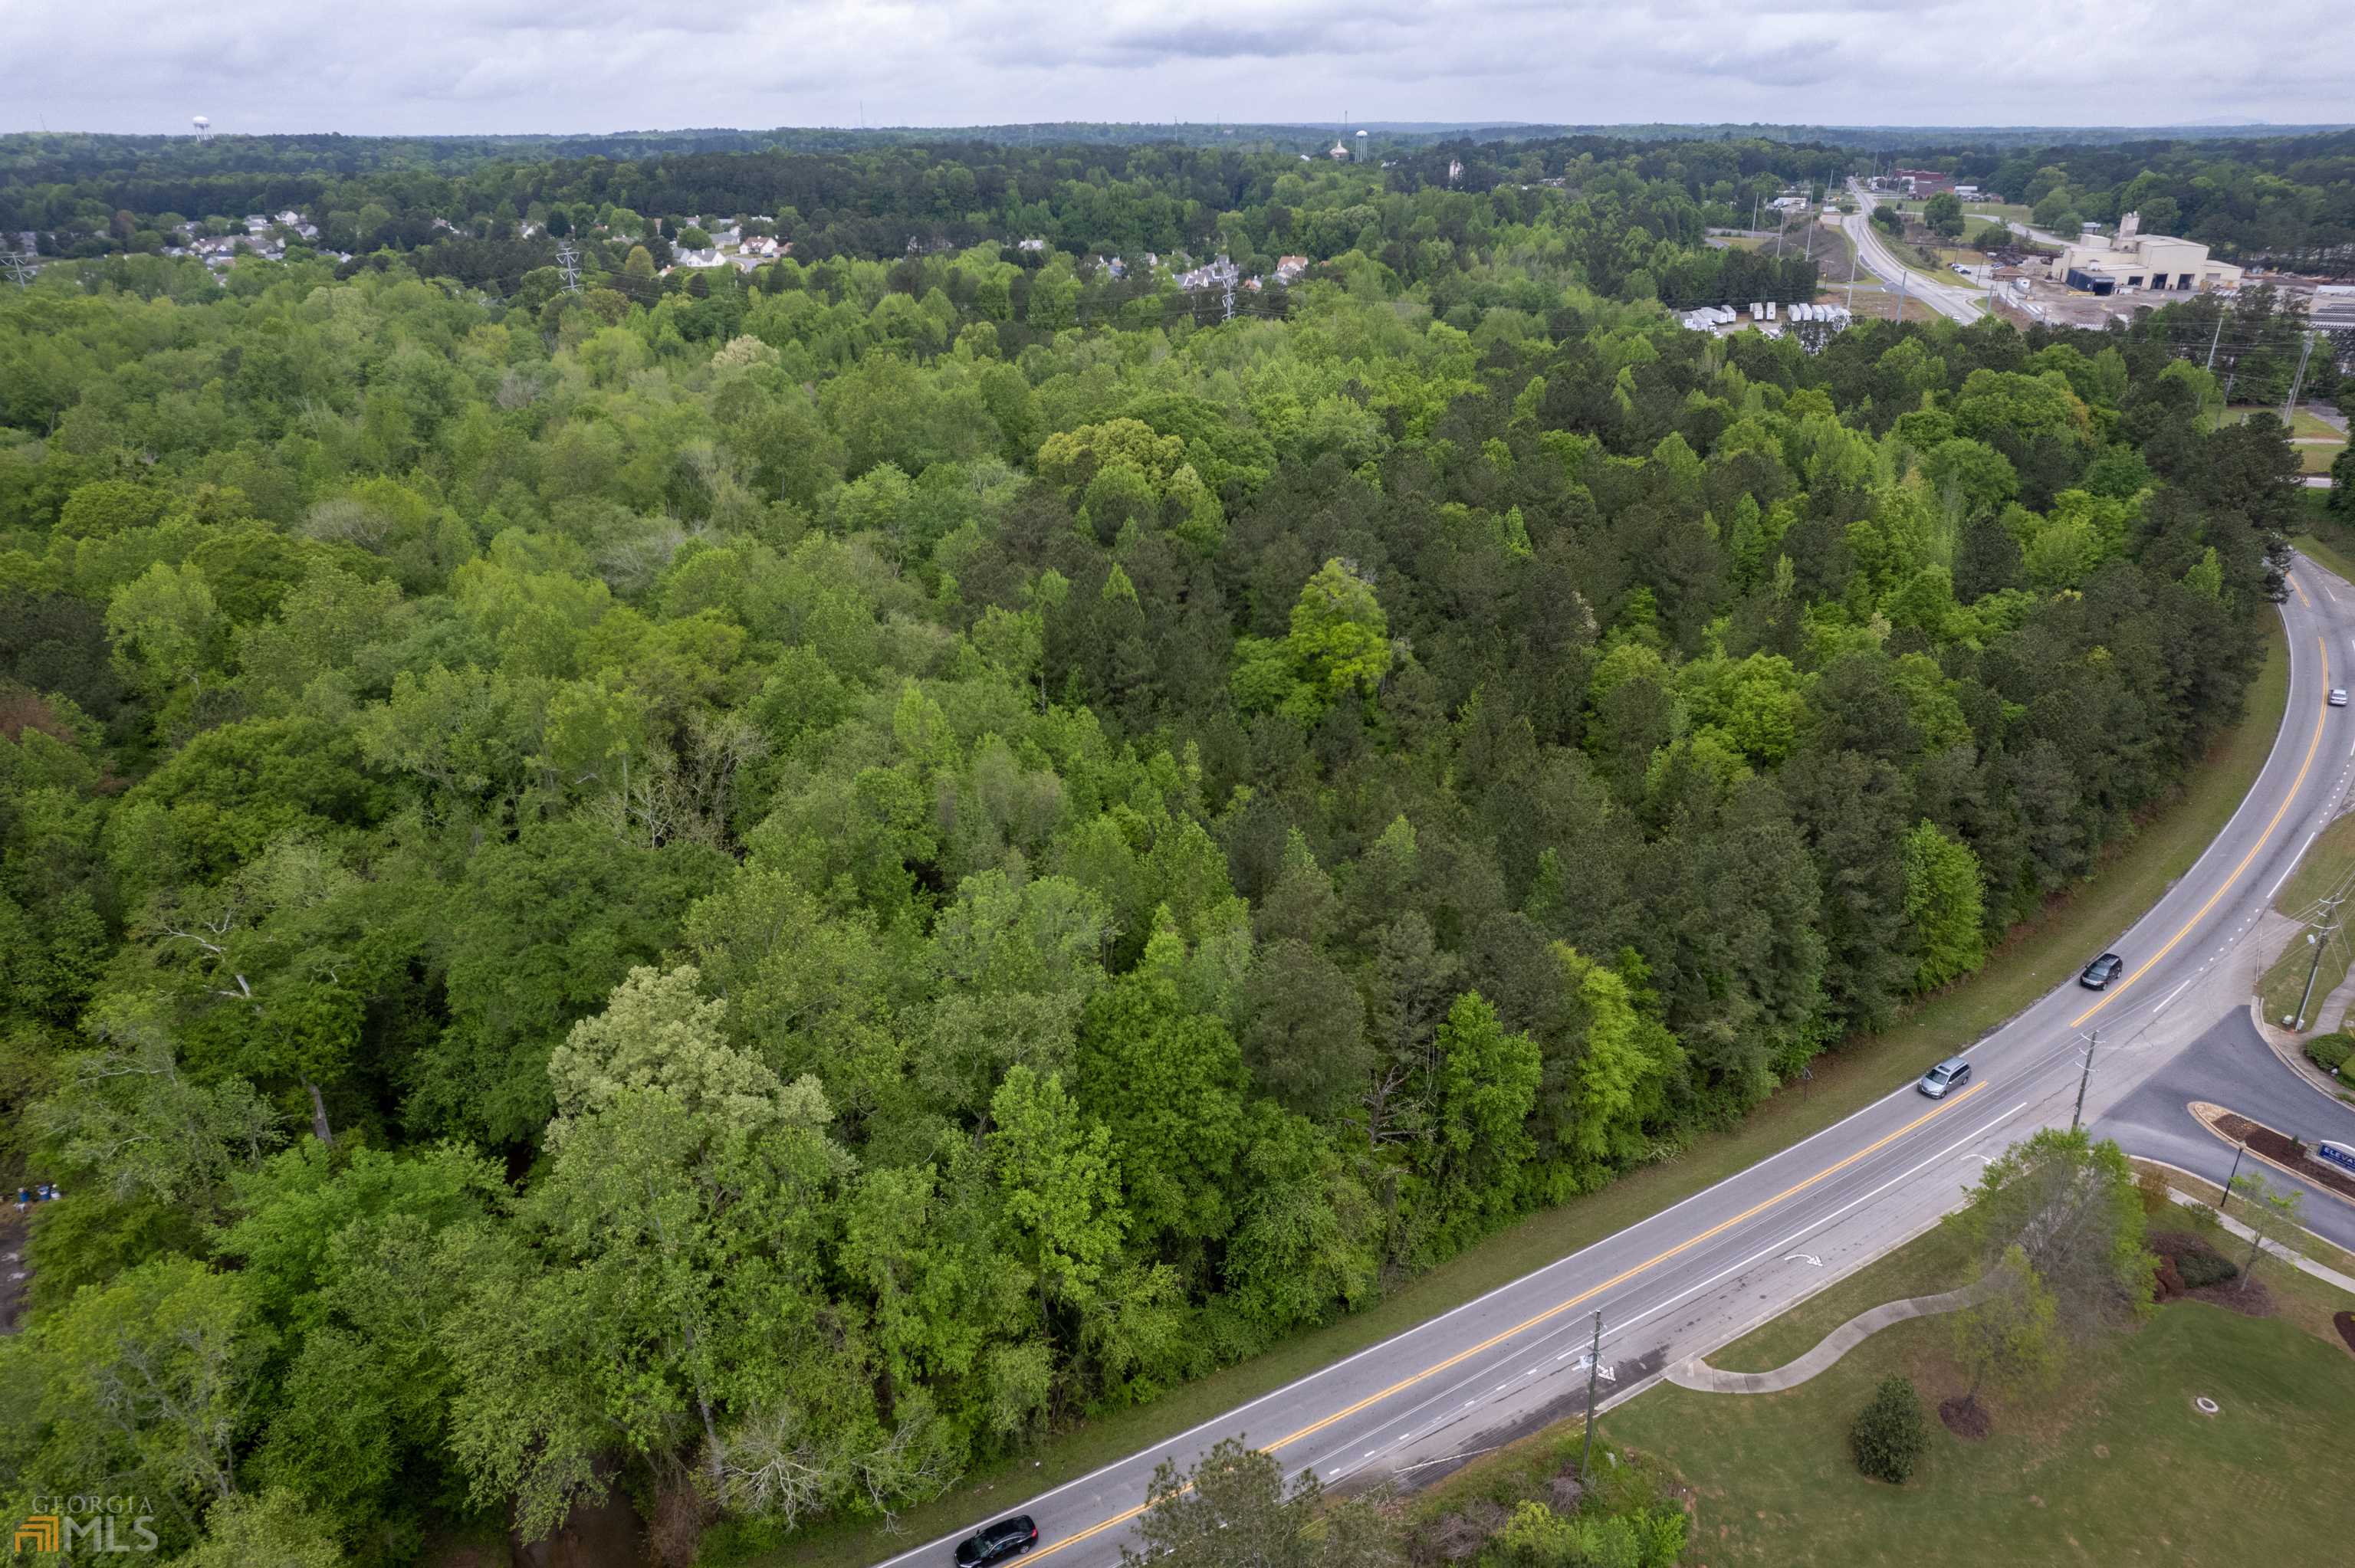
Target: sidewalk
<point>1693,1373</point>
<point>2303,1265</point>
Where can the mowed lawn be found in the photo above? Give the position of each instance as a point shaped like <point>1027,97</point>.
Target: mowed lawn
<point>2119,1468</point>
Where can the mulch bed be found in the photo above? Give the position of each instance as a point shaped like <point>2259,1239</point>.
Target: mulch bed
<point>2251,1300</point>
<point>2279,1147</point>
<point>1966,1417</point>
<point>2345,1324</point>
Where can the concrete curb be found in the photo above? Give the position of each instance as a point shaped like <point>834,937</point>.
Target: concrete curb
<point>2293,1058</point>
<point>2195,1107</point>
<point>2302,1263</point>
<point>2193,1201</point>
<point>1696,1373</point>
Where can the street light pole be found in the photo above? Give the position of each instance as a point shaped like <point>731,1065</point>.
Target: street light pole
<point>1594,1369</point>
<point>2078,1115</point>
<point>2235,1176</point>
<point>1856,243</point>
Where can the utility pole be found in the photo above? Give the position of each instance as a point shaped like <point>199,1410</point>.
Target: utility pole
<point>2289,408</point>
<point>1905,277</point>
<point>2078,1115</point>
<point>1594,1367</point>
<point>1856,243</point>
<point>2320,937</point>
<point>2218,338</point>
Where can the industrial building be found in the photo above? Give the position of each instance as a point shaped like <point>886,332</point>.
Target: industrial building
<point>2135,263</point>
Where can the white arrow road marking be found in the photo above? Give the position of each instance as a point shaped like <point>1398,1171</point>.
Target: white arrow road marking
<point>1605,1373</point>
<point>1807,1257</point>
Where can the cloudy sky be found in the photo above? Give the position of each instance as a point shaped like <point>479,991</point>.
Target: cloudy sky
<point>427,66</point>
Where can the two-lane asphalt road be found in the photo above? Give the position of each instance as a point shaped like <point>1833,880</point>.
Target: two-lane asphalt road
<point>1701,1273</point>
<point>1947,299</point>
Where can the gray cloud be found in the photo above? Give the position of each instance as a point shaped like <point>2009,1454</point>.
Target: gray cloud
<point>455,66</point>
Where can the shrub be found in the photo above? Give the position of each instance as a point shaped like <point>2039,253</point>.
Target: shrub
<point>2200,1267</point>
<point>2330,1051</point>
<point>1890,1433</point>
<point>2152,1184</point>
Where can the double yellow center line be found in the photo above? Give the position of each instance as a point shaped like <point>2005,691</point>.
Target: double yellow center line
<point>1436,1367</point>
<point>1558,1308</point>
<point>2227,885</point>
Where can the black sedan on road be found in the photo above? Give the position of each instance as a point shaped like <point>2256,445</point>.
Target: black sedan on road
<point>999,1542</point>
<point>2102,971</point>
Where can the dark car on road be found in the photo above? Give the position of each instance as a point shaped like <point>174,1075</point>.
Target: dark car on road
<point>999,1542</point>
<point>2102,971</point>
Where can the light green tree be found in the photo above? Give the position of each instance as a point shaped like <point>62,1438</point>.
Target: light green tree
<point>167,631</point>
<point>2273,1215</point>
<point>2010,1339</point>
<point>1945,910</point>
<point>272,1531</point>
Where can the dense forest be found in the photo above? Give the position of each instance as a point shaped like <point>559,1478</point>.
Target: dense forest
<point>775,892</point>
<point>2285,198</point>
<point>884,199</point>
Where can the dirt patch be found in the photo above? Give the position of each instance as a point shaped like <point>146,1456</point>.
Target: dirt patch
<point>1966,1417</point>
<point>1461,1536</point>
<point>2345,1324</point>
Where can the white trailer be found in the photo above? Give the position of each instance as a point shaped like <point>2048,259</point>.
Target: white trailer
<point>1770,310</point>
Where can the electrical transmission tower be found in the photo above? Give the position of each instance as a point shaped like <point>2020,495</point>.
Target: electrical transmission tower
<point>569,259</point>
<point>20,271</point>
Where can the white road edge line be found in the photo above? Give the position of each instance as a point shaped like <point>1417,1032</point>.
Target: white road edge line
<point>1170,1446</point>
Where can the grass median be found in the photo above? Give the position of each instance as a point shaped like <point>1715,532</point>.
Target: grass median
<point>2035,958</point>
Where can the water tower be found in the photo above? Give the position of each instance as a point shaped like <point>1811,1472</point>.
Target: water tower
<point>204,127</point>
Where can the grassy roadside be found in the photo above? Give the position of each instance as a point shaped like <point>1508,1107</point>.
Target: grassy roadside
<point>1933,1261</point>
<point>2327,863</point>
<point>2204,1222</point>
<point>1999,210</point>
<point>2319,550</point>
<point>2030,963</point>
<point>2304,425</point>
<point>2115,1466</point>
